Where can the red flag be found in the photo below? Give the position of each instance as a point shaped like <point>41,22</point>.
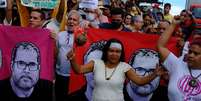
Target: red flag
<point>132,41</point>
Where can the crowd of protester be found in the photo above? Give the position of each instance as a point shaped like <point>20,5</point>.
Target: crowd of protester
<point>129,14</point>
<point>116,15</point>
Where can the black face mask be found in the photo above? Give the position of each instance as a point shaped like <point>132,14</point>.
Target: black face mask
<point>116,25</point>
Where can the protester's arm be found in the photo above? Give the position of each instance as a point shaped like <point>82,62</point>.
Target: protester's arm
<point>61,14</point>
<point>163,40</point>
<point>23,14</point>
<point>76,6</point>
<point>9,12</point>
<point>138,10</point>
<point>87,24</point>
<point>140,80</point>
<point>79,69</point>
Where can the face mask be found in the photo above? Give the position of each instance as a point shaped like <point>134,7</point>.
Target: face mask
<point>116,25</point>
<point>90,17</point>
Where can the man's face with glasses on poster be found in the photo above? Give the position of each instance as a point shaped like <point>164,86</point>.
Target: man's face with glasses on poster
<point>144,63</point>
<point>25,66</point>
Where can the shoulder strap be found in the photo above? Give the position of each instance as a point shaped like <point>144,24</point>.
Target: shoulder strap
<point>45,24</point>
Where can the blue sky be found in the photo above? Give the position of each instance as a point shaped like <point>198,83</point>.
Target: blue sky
<point>177,5</point>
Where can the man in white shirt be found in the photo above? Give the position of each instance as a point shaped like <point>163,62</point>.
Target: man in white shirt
<point>65,43</point>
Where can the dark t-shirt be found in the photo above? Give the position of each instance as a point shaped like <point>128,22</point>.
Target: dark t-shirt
<point>42,90</point>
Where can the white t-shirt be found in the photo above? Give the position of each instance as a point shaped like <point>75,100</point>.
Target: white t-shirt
<point>178,88</point>
<point>96,54</point>
<point>109,90</point>
<point>64,45</point>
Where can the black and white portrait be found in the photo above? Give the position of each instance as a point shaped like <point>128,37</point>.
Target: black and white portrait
<point>25,68</point>
<point>143,62</point>
<point>94,52</point>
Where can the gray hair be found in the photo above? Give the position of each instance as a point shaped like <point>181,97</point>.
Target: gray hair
<point>75,12</point>
<point>137,18</point>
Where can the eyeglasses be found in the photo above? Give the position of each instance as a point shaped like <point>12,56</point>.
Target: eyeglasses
<point>142,71</point>
<point>23,65</point>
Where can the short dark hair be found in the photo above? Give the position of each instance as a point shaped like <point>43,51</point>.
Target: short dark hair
<point>127,14</point>
<point>146,14</point>
<point>107,46</point>
<point>107,6</point>
<point>167,5</point>
<point>184,10</point>
<point>160,13</point>
<point>117,11</point>
<point>146,52</point>
<point>25,46</point>
<point>42,16</point>
<point>196,41</point>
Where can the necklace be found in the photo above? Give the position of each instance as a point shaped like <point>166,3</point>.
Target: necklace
<point>108,78</point>
<point>194,80</point>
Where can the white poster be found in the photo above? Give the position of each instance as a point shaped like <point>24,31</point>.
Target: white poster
<point>3,3</point>
<point>93,4</point>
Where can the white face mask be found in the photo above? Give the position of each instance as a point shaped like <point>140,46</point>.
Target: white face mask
<point>90,17</point>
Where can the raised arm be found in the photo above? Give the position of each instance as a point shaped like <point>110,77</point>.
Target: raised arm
<point>23,13</point>
<point>163,40</point>
<point>77,68</point>
<point>140,80</point>
<point>9,11</point>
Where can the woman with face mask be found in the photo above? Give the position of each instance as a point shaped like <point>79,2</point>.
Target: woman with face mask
<point>91,18</point>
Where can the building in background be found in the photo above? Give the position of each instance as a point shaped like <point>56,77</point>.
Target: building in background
<point>190,2</point>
